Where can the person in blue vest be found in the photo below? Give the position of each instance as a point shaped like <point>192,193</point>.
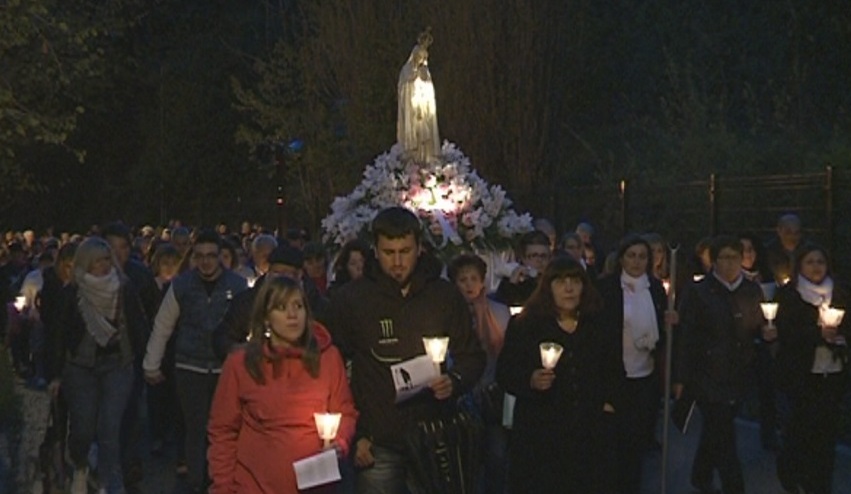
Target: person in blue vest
<point>193,307</point>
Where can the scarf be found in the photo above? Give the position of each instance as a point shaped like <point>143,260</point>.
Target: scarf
<point>816,294</point>
<point>97,298</point>
<point>639,313</point>
<point>487,328</point>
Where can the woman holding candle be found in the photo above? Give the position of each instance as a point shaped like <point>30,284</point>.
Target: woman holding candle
<point>561,417</point>
<point>755,268</point>
<point>262,418</point>
<point>635,303</point>
<point>813,358</point>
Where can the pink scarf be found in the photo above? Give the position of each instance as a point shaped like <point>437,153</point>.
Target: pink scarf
<point>486,325</point>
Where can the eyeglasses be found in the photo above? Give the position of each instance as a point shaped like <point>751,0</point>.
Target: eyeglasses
<point>538,255</point>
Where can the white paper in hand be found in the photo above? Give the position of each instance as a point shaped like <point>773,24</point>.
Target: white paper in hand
<point>412,376</point>
<point>319,469</point>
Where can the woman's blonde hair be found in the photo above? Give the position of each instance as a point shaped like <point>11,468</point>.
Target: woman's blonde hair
<point>276,291</point>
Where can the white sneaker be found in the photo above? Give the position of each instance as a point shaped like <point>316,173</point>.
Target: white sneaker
<point>80,483</point>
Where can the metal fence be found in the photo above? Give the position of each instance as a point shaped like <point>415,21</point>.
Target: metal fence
<point>688,211</point>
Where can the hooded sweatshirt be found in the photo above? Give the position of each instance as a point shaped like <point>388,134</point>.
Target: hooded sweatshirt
<point>257,431</point>
<point>377,326</point>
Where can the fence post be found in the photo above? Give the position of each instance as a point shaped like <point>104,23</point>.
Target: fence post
<point>624,208</point>
<point>713,204</point>
<point>828,211</point>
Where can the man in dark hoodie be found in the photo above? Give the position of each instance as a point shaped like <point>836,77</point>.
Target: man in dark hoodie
<point>283,261</point>
<point>380,320</point>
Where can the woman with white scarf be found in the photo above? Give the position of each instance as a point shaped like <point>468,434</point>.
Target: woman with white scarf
<point>634,307</point>
<point>814,358</point>
<point>104,326</point>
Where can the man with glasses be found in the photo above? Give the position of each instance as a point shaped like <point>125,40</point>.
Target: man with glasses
<point>193,306</point>
<point>719,319</point>
<point>535,254</point>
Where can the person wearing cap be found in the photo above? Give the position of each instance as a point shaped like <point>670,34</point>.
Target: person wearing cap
<point>284,261</point>
<point>297,237</point>
<point>192,308</point>
<point>315,266</point>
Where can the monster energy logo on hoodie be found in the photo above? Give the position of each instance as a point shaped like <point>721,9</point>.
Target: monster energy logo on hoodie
<point>387,335</point>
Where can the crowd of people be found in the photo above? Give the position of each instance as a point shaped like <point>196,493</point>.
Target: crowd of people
<point>552,381</point>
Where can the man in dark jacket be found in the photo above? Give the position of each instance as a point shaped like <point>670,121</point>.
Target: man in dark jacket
<point>719,319</point>
<point>283,261</point>
<point>535,253</point>
<point>380,320</point>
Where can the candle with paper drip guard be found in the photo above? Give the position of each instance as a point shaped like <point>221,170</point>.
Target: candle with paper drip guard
<point>327,425</point>
<point>550,353</point>
<point>830,316</point>
<point>20,302</point>
<point>515,309</point>
<point>436,349</point>
<point>769,311</point>
<point>251,281</point>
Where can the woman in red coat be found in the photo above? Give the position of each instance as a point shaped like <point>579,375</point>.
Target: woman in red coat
<point>262,414</point>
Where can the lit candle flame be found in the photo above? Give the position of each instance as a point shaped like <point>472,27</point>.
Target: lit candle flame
<point>515,309</point>
<point>550,353</point>
<point>436,348</point>
<point>327,425</point>
<point>769,310</point>
<point>20,303</point>
<point>830,316</point>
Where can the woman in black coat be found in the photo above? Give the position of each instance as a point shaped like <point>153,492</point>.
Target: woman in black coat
<point>635,304</point>
<point>562,416</point>
<point>813,358</point>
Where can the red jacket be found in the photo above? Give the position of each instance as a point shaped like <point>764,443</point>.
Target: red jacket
<point>257,431</point>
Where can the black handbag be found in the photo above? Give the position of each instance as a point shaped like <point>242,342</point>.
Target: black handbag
<point>446,453</point>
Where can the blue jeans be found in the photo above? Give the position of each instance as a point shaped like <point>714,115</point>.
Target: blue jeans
<point>389,474</point>
<point>97,398</point>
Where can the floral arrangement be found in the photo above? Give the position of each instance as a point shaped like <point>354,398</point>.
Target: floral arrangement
<point>460,210</point>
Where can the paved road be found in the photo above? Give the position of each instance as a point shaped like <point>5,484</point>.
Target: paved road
<point>759,466</point>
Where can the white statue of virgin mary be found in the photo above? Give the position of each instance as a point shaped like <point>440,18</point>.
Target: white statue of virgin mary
<point>416,127</point>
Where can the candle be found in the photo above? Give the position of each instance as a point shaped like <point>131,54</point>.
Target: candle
<point>327,425</point>
<point>830,316</point>
<point>769,310</point>
<point>667,286</point>
<point>550,353</point>
<point>515,309</point>
<point>251,280</point>
<point>20,302</point>
<point>436,349</point>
